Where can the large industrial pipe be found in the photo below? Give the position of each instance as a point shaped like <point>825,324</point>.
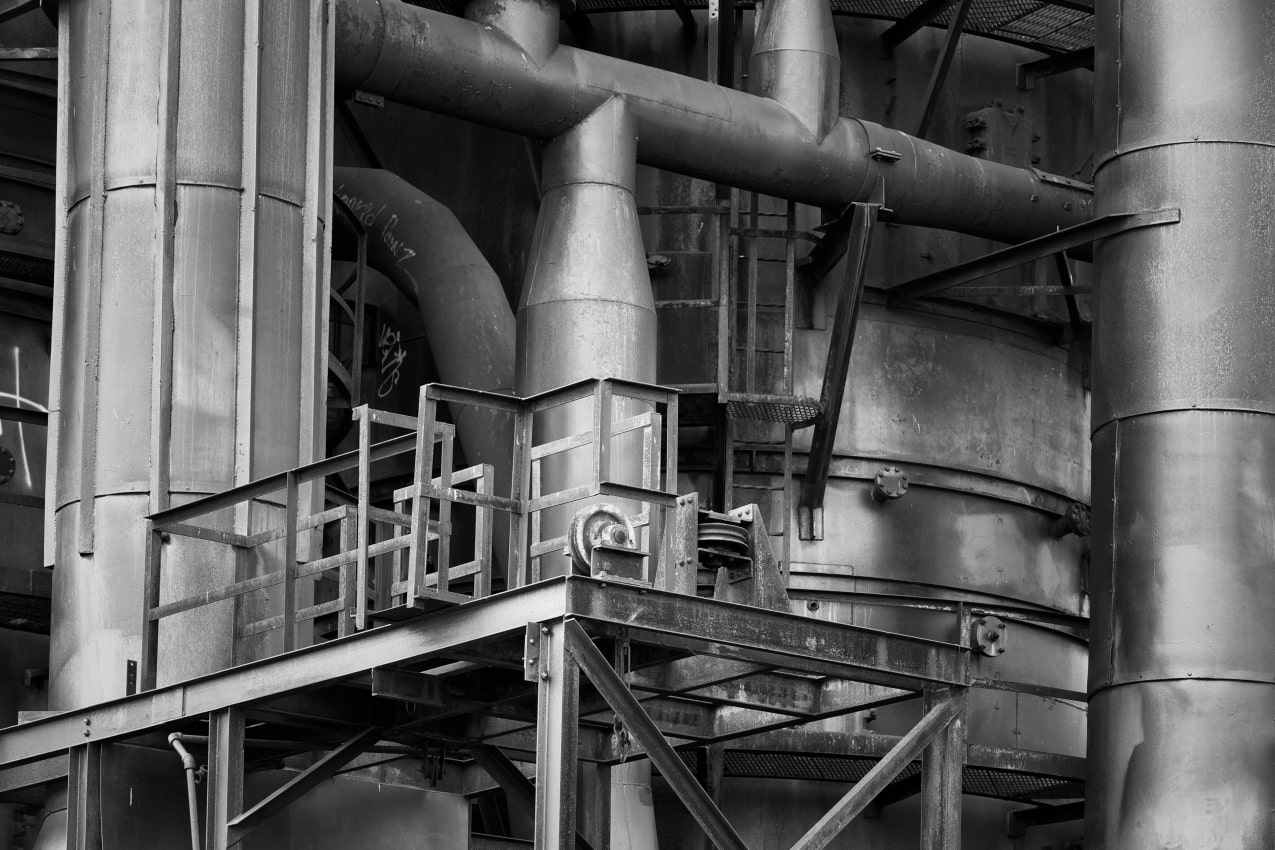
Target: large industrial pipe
<point>418,243</point>
<point>1182,679</point>
<point>462,68</point>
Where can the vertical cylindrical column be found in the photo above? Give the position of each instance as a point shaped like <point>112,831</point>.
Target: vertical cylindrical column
<point>1182,678</point>
<point>587,309</point>
<point>193,173</point>
<point>795,61</point>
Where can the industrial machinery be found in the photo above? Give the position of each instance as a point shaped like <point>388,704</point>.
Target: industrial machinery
<point>611,424</point>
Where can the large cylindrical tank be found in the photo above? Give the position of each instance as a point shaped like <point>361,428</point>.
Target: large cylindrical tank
<point>187,339</point>
<point>972,398</point>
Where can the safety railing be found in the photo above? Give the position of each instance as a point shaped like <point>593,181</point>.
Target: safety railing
<point>654,491</point>
<point>260,550</point>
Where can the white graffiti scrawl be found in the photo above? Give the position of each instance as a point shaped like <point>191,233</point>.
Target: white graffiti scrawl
<point>392,356</point>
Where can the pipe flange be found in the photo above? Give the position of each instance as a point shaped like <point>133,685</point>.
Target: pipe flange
<point>988,636</point>
<point>889,484</point>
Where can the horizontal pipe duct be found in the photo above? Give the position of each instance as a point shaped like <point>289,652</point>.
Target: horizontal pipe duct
<point>461,68</point>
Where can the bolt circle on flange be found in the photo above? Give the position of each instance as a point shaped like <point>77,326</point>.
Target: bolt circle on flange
<point>889,484</point>
<point>989,636</point>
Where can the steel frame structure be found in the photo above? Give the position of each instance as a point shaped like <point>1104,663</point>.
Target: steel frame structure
<point>721,671</point>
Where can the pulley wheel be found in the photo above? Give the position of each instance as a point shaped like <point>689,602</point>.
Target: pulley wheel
<point>593,525</point>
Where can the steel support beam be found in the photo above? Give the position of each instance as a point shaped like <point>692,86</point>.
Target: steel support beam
<point>935,88</point>
<point>473,623</point>
<point>224,784</point>
<point>771,638</point>
<point>942,772</point>
<point>557,710</point>
<point>917,18</point>
<point>662,755</point>
<point>303,782</point>
<point>1102,227</point>
<point>936,720</point>
<point>836,371</point>
<point>84,799</point>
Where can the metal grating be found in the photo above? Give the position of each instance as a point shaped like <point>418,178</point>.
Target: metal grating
<point>1057,27</point>
<point>798,411</point>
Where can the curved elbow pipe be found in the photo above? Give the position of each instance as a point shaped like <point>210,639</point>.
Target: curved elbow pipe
<point>462,68</point>
<point>421,246</point>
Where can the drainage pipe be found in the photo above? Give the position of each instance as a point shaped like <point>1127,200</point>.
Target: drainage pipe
<point>1181,746</point>
<point>192,797</point>
<point>419,244</point>
<point>462,68</point>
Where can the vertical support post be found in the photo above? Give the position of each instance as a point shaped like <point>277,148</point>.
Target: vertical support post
<point>655,514</point>
<point>347,574</point>
<point>364,419</point>
<point>290,562</point>
<point>224,785</point>
<point>557,723</point>
<point>84,800</point>
<point>483,520</point>
<point>534,521</point>
<point>942,768</point>
<point>150,599</point>
<point>243,563</point>
<point>601,433</point>
<point>419,549</point>
<point>444,514</point>
<point>520,483</point>
<point>249,197</point>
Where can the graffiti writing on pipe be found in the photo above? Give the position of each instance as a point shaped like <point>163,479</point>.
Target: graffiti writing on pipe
<point>367,213</point>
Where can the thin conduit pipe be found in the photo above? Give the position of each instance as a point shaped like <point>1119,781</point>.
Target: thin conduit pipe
<point>475,72</point>
<point>190,765</point>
